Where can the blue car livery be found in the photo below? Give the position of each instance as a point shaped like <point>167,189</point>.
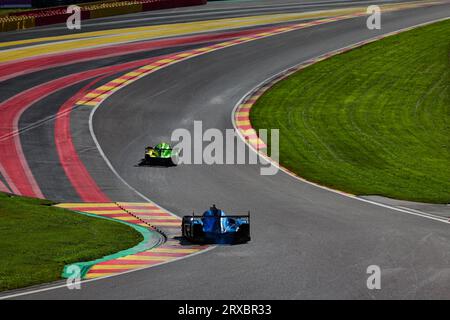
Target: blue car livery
<point>215,226</point>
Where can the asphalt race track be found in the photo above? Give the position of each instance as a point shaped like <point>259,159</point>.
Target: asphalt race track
<point>307,242</point>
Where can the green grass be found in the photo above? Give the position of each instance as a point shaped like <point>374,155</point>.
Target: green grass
<point>37,240</point>
<point>373,121</point>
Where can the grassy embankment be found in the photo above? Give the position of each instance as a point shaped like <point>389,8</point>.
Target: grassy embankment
<point>375,120</point>
<point>38,240</point>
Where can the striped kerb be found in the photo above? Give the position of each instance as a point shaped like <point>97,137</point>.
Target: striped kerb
<point>97,96</point>
<point>145,215</point>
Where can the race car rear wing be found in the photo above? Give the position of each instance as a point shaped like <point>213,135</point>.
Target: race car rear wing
<point>223,217</point>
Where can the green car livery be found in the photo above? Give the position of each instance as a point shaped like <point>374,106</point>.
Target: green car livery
<point>161,154</point>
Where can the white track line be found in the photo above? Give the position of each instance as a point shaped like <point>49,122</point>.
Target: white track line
<point>190,13</point>
<point>102,278</point>
<point>276,164</point>
<point>206,250</point>
<point>91,129</point>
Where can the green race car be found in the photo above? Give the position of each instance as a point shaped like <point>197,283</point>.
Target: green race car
<point>161,154</point>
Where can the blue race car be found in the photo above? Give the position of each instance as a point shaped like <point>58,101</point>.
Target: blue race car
<point>214,226</point>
